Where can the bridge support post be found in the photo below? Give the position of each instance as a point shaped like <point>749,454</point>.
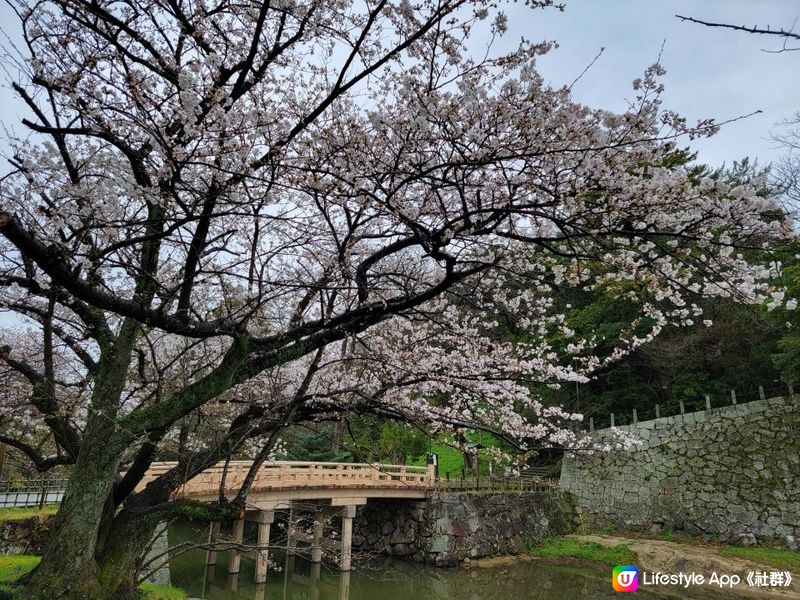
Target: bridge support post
<point>264,519</point>
<point>316,540</point>
<point>348,514</point>
<point>344,586</point>
<point>316,573</point>
<point>291,539</point>
<point>213,535</point>
<point>235,556</point>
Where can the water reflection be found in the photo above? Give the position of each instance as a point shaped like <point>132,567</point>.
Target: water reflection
<point>301,580</point>
<point>296,578</point>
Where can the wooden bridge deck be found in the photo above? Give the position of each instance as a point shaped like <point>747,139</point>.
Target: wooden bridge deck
<point>285,481</point>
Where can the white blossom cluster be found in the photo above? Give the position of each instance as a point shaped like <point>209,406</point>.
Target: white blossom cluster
<point>289,177</point>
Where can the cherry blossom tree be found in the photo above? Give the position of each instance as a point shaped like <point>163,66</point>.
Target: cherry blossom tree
<point>223,219</point>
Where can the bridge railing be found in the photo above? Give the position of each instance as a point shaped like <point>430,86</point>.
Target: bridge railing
<point>679,407</point>
<point>290,475</point>
<point>497,484</point>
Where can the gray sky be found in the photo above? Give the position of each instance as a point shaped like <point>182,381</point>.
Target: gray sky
<point>710,72</point>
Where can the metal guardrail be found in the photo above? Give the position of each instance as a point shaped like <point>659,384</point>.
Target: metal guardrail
<point>31,492</point>
<point>497,484</point>
<point>682,407</point>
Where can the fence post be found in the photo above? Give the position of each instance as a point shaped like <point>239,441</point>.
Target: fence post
<point>591,424</point>
<point>612,419</point>
<point>733,396</point>
<point>635,416</point>
<point>683,408</point>
<point>791,390</point>
<point>761,395</point>
<point>658,411</point>
<point>708,402</point>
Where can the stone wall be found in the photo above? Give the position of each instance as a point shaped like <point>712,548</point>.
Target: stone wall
<point>451,527</point>
<point>24,536</point>
<point>731,473</point>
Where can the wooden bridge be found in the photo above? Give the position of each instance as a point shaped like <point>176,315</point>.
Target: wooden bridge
<point>332,488</point>
<point>278,484</point>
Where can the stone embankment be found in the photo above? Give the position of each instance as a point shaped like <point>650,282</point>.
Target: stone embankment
<point>24,536</point>
<point>453,527</point>
<point>731,474</point>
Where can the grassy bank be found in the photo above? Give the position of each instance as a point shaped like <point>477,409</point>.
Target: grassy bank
<point>151,591</point>
<point>621,548</point>
<point>17,514</point>
<point>564,549</point>
<point>779,558</point>
<point>13,567</point>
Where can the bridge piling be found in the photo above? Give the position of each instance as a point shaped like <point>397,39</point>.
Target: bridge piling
<point>348,514</point>
<point>213,535</point>
<point>316,573</point>
<point>344,586</point>
<point>264,518</point>
<point>235,556</point>
<point>316,541</point>
<point>291,538</point>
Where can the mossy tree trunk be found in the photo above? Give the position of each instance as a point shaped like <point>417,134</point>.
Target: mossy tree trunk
<point>101,530</point>
<point>69,568</point>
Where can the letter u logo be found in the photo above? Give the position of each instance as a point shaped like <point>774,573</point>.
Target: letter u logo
<point>626,578</point>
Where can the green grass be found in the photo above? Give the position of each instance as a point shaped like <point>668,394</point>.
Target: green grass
<point>562,547</point>
<point>14,566</point>
<point>450,460</point>
<point>151,591</point>
<point>16,514</point>
<point>780,558</point>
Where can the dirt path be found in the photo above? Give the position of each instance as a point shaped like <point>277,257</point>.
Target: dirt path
<point>673,557</point>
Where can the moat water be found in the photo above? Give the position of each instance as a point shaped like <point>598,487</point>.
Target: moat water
<point>296,578</point>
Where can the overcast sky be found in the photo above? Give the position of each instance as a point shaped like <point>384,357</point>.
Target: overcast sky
<point>710,72</point>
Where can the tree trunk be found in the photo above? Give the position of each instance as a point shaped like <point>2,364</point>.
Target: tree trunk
<point>68,569</point>
<point>119,557</point>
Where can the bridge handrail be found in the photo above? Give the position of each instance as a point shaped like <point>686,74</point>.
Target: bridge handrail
<point>166,465</point>
<point>289,474</point>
